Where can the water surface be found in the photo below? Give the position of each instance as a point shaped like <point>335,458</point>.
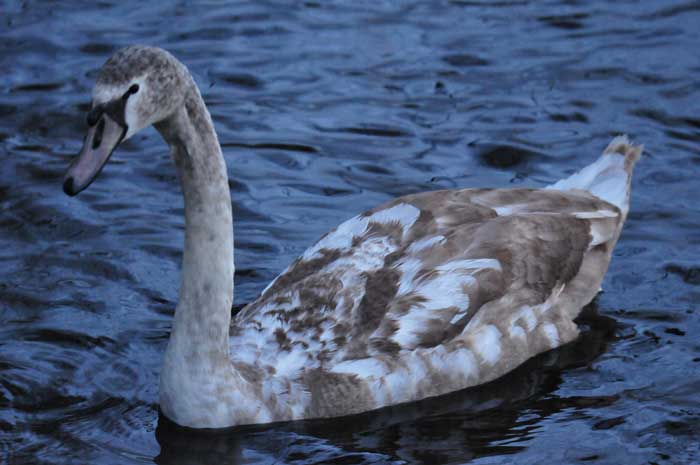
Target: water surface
<point>325,109</point>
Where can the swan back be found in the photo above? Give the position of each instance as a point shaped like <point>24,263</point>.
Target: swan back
<point>424,295</point>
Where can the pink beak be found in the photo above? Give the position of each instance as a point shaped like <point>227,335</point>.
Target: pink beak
<point>102,138</point>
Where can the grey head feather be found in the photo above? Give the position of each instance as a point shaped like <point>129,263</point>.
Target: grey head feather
<point>165,80</point>
<point>135,61</point>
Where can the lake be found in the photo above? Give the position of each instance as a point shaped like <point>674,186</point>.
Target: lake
<point>324,110</point>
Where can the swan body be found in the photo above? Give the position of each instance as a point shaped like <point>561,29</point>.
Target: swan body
<point>423,295</point>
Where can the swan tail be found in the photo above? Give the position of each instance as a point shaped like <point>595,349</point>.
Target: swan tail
<point>609,177</point>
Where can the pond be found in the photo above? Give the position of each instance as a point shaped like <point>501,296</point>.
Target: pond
<point>324,110</point>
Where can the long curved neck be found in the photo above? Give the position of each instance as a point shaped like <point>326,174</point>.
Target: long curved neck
<point>203,315</point>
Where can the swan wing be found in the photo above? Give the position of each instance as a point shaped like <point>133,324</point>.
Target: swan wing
<point>420,271</point>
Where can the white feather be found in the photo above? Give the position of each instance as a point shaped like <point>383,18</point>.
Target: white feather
<point>444,291</point>
<point>526,315</point>
<point>340,238</point>
<point>403,213</point>
<point>606,178</point>
<point>552,334</point>
<point>458,363</point>
<point>471,264</point>
<point>408,268</point>
<point>595,215</point>
<point>517,332</point>
<point>363,367</point>
<point>425,243</point>
<point>487,343</point>
<point>506,210</point>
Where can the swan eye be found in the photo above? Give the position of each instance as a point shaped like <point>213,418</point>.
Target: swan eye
<point>133,89</point>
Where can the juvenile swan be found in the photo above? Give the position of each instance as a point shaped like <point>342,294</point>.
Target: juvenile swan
<point>424,295</point>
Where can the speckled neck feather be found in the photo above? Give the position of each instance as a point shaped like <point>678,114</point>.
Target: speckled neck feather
<point>206,290</point>
<point>197,357</point>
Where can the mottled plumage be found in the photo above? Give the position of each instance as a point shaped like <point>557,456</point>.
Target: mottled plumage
<point>424,295</point>
<point>430,293</point>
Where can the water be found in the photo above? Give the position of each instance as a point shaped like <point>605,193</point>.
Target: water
<point>325,109</point>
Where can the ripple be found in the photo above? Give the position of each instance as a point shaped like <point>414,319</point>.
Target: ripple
<point>464,60</point>
<point>689,274</point>
<point>37,87</point>
<point>66,338</point>
<point>569,118</point>
<point>570,21</point>
<point>97,48</point>
<point>372,130</point>
<point>274,146</point>
<point>243,80</point>
<point>504,156</point>
<point>675,10</point>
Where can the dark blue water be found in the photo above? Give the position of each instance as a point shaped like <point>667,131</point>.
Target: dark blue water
<point>325,109</point>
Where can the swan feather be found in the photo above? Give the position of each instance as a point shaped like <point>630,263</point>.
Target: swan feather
<point>429,293</point>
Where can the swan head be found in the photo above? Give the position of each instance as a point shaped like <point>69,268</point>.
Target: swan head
<point>136,87</point>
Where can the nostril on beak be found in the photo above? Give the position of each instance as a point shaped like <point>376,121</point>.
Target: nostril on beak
<point>68,186</point>
<point>97,138</point>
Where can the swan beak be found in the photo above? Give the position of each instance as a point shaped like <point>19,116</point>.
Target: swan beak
<point>101,140</point>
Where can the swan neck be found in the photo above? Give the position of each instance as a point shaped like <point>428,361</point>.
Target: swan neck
<point>203,315</point>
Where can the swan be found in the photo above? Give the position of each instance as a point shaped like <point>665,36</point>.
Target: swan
<point>421,296</point>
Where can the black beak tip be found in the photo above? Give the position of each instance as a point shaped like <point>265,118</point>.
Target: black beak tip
<point>69,187</point>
